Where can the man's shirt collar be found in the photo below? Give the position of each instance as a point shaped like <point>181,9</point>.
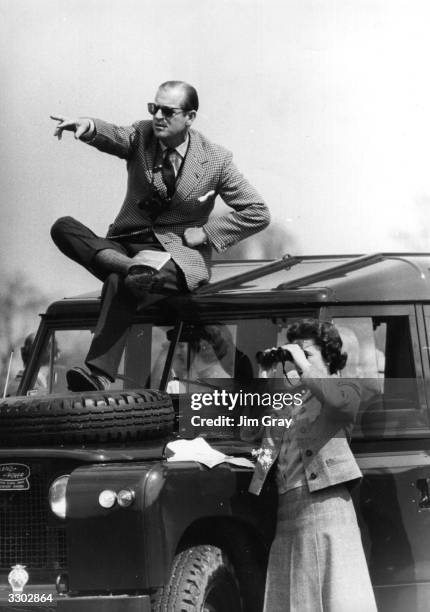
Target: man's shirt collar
<point>180,149</point>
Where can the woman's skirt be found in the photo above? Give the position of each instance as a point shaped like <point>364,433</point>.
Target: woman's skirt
<point>317,562</point>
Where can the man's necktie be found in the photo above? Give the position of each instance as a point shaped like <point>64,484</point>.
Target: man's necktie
<point>168,172</point>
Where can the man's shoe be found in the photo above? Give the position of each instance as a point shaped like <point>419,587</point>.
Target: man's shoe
<point>79,379</point>
<point>141,280</point>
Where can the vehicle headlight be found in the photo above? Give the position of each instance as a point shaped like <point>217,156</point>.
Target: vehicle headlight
<point>126,497</point>
<point>57,495</point>
<point>107,498</point>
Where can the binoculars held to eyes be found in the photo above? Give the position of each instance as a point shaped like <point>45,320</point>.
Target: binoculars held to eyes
<point>267,359</point>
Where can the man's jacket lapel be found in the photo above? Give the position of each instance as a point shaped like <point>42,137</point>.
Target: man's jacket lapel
<point>151,168</point>
<point>192,170</point>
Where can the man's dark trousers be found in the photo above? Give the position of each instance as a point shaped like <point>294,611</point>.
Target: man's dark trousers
<point>119,306</point>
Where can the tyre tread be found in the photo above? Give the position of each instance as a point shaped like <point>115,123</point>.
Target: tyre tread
<point>96,416</point>
<point>191,573</point>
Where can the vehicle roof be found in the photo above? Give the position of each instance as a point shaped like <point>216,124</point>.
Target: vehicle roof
<point>379,277</point>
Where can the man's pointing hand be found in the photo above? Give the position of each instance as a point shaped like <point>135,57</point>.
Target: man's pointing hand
<point>79,126</point>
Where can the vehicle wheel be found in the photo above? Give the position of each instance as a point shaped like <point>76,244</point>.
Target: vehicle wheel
<point>93,416</point>
<point>202,580</point>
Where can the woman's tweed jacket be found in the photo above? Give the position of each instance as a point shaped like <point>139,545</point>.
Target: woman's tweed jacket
<point>322,429</point>
<point>207,171</point>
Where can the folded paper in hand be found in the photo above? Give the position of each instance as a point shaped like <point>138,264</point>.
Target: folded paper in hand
<point>199,450</point>
<point>153,259</point>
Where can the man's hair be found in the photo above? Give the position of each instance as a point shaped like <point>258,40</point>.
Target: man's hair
<point>26,348</point>
<point>45,356</point>
<point>191,99</point>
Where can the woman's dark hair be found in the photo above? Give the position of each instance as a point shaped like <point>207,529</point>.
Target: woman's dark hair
<point>325,335</point>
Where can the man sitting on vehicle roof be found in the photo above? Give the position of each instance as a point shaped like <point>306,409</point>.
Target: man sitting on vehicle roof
<point>162,238</point>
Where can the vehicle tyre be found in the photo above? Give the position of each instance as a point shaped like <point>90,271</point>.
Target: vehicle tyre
<point>92,416</point>
<point>202,580</point>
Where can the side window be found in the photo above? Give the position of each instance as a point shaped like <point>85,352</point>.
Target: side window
<point>145,345</point>
<point>380,354</point>
<point>206,356</point>
<point>64,349</point>
<point>212,354</point>
<point>218,359</point>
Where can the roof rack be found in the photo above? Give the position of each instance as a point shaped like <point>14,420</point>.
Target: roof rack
<point>355,264</point>
<point>285,263</point>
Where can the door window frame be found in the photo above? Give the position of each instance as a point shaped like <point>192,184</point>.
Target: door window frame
<point>421,365</point>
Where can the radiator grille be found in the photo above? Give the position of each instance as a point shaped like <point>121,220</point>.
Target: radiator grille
<point>29,533</point>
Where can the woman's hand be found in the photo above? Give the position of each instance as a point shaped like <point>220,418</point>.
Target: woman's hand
<point>298,356</point>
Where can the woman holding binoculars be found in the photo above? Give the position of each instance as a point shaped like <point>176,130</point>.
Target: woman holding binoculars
<point>317,562</point>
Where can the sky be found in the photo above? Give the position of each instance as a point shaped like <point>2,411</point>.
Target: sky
<point>324,103</point>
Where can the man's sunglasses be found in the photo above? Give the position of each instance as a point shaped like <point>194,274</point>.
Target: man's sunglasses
<point>167,111</point>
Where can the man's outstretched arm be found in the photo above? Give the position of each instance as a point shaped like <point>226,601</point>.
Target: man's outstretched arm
<point>104,136</point>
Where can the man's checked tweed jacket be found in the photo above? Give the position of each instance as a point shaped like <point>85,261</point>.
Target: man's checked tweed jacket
<point>207,168</point>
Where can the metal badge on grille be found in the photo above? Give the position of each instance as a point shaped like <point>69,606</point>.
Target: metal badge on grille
<point>18,578</point>
<point>14,477</point>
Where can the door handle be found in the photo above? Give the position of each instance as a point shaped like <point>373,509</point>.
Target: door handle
<point>423,488</point>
